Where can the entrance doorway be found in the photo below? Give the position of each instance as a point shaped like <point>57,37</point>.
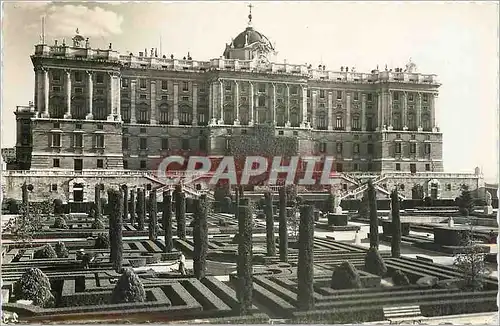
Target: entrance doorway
<point>78,192</point>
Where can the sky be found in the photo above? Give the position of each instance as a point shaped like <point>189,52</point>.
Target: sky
<point>458,41</point>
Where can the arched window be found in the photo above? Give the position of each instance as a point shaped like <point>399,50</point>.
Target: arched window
<point>57,107</point>
<point>125,111</point>
<point>412,125</point>
<point>185,115</point>
<point>339,122</point>
<point>143,113</point>
<point>356,125</point>
<point>322,121</point>
<point>294,117</point>
<point>165,116</point>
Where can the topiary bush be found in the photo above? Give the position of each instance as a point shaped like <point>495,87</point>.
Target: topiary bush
<point>11,205</point>
<point>61,250</point>
<point>58,207</point>
<point>46,252</point>
<point>60,223</point>
<point>34,285</point>
<point>226,205</point>
<point>102,241</point>
<point>98,225</point>
<point>400,279</point>
<point>128,289</point>
<point>346,276</point>
<point>374,263</point>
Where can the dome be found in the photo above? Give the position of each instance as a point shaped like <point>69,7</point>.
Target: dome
<point>249,36</point>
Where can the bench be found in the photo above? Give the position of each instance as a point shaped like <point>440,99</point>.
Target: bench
<point>403,314</point>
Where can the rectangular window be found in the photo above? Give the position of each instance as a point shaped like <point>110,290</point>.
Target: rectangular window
<point>164,97</point>
<point>143,165</point>
<point>410,97</point>
<point>142,130</point>
<point>185,86</point>
<point>228,87</point>
<point>100,127</point>
<point>185,144</point>
<point>164,143</point>
<point>398,148</point>
<point>262,88</point>
<point>339,95</point>
<point>78,126</point>
<point>56,76</point>
<point>53,187</point>
<point>356,148</point>
<point>369,97</point>
<point>427,148</point>
<point>413,148</point>
<point>164,85</point>
<point>57,125</point>
<point>142,96</point>
<point>339,148</point>
<point>125,164</point>
<point>100,163</point>
<point>369,148</point>
<point>425,97</point>
<point>56,163</point>
<point>322,93</point>
<point>295,90</point>
<point>427,167</point>
<point>395,96</point>
<point>78,76</point>
<point>99,78</point>
<point>413,168</point>
<point>56,140</point>
<point>356,96</point>
<point>125,143</point>
<point>355,167</point>
<point>339,167</point>
<point>78,141</point>
<point>185,99</point>
<point>78,90</point>
<point>99,141</point>
<point>143,143</point>
<point>142,83</point>
<point>124,82</point>
<point>322,147</point>
<point>56,88</point>
<point>398,167</point>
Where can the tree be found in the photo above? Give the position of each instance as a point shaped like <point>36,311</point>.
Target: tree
<point>372,200</point>
<point>180,212</point>
<point>268,210</point>
<point>244,263</point>
<point>363,210</point>
<point>58,207</point>
<point>400,279</point>
<point>396,225</point>
<point>129,288</point>
<point>101,241</point>
<point>305,268</point>
<point>46,252</point>
<point>374,263</point>
<point>200,237</point>
<point>167,221</point>
<point>115,226</point>
<point>34,285</point>
<point>346,276</point>
<point>141,212</point>
<point>125,202</point>
<point>132,207</point>
<point>61,250</point>
<point>97,200</point>
<point>153,216</point>
<point>471,263</point>
<point>283,228</point>
<point>465,201</point>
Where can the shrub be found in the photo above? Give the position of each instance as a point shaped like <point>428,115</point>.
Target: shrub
<point>345,276</point>
<point>244,263</point>
<point>400,279</point>
<point>115,227</point>
<point>363,206</point>
<point>465,201</point>
<point>305,295</point>
<point>153,216</point>
<point>226,205</point>
<point>60,223</point>
<point>34,285</point>
<point>58,206</point>
<point>374,263</point>
<point>97,224</point>
<point>11,205</point>
<point>283,228</point>
<point>45,252</point>
<point>167,221</point>
<point>129,288</point>
<point>428,201</point>
<point>102,241</point>
<point>200,238</point>
<point>61,250</point>
<point>372,204</point>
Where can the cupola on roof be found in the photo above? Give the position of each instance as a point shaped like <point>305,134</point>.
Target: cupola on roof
<point>250,36</point>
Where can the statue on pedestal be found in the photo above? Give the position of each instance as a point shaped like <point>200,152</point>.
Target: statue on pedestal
<point>488,209</point>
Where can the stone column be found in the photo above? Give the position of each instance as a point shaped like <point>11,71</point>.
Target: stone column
<point>90,86</point>
<point>221,102</point>
<point>303,106</point>
<point>118,97</point>
<point>273,103</point>
<point>46,89</point>
<point>314,98</point>
<point>287,123</point>
<point>404,118</point>
<point>195,105</point>
<point>111,93</point>
<point>236,103</point>
<point>153,120</point>
<point>175,122</point>
<point>251,104</point>
<point>67,115</point>
<point>348,111</point>
<point>389,108</point>
<point>419,111</point>
<point>434,113</point>
<point>39,92</point>
<point>133,84</point>
<point>363,112</point>
<point>330,110</point>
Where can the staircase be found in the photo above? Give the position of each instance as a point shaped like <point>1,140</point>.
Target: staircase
<point>362,187</point>
<point>403,314</point>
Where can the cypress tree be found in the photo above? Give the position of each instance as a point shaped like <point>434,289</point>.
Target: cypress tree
<point>305,269</point>
<point>268,208</point>
<point>396,226</point>
<point>200,237</point>
<point>153,216</point>
<point>180,212</point>
<point>372,200</point>
<point>244,265</point>
<point>125,202</point>
<point>141,212</point>
<point>97,201</point>
<point>167,221</point>
<point>283,229</point>
<point>111,223</point>
<point>116,222</point>
<point>132,207</point>
<point>24,189</point>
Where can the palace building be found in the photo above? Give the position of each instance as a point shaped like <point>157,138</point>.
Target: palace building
<point>98,112</point>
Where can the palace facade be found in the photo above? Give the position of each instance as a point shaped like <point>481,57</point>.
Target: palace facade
<point>97,110</point>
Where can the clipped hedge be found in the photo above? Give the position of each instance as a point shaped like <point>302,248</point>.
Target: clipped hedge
<point>129,288</point>
<point>34,285</point>
<point>45,252</point>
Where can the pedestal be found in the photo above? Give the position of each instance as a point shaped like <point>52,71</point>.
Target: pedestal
<point>337,219</point>
<point>89,116</point>
<point>488,210</point>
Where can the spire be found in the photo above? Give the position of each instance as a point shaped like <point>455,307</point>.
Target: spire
<point>250,15</point>
<point>77,31</point>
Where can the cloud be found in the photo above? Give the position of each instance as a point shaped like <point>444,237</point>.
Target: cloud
<point>35,5</point>
<point>64,20</point>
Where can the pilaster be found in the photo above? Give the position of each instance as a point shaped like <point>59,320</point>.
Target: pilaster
<point>133,84</point>
<point>348,111</point>
<point>46,89</point>
<point>67,115</point>
<point>363,112</point>
<point>195,105</point>
<point>287,121</point>
<point>175,122</point>
<point>153,119</point>
<point>303,106</point>
<point>419,111</point>
<point>236,95</point>
<point>330,110</point>
<point>90,87</point>
<point>405,111</point>
<point>314,104</point>
<point>220,103</point>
